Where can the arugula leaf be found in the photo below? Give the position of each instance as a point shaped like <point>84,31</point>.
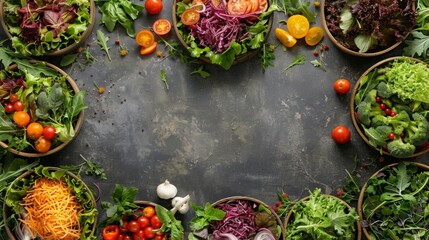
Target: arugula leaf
<point>267,56</point>
<point>298,60</point>
<point>164,78</point>
<point>102,42</point>
<point>200,70</point>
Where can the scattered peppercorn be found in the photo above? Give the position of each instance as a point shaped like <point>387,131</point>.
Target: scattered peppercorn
<point>340,192</point>
<point>124,52</point>
<point>101,90</point>
<point>117,42</point>
<point>316,53</point>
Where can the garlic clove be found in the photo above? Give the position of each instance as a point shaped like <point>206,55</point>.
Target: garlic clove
<point>166,190</point>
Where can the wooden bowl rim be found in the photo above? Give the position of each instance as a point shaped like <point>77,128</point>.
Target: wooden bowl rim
<point>348,51</point>
<point>357,222</point>
<point>69,48</point>
<point>7,209</point>
<point>352,104</point>
<point>77,127</point>
<point>238,59</point>
<point>362,192</point>
<point>251,199</point>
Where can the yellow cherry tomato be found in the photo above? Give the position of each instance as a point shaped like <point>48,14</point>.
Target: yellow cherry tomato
<point>298,26</point>
<point>314,36</point>
<point>285,37</point>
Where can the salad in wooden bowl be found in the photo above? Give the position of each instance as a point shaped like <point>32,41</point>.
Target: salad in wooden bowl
<point>367,28</point>
<point>41,108</point>
<point>238,218</point>
<point>389,107</point>
<point>393,204</point>
<point>222,32</point>
<point>47,27</point>
<point>321,216</point>
<point>49,203</point>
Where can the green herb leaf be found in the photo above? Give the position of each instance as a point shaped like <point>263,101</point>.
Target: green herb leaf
<point>298,60</point>
<point>200,70</point>
<point>164,78</point>
<point>102,42</point>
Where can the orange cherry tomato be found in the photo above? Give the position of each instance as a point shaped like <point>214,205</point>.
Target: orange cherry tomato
<point>285,37</point>
<point>42,145</point>
<point>145,38</point>
<point>239,7</point>
<point>149,211</point>
<point>263,5</point>
<point>148,50</point>
<point>255,5</point>
<point>34,130</point>
<point>342,86</point>
<point>190,16</point>
<point>298,26</point>
<point>314,36</point>
<point>21,118</point>
<point>153,6</point>
<point>161,26</point>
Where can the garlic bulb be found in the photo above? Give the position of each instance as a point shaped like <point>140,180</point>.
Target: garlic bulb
<point>166,190</point>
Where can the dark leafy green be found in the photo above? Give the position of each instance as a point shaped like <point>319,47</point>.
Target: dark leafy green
<point>396,204</point>
<point>417,45</point>
<point>169,223</point>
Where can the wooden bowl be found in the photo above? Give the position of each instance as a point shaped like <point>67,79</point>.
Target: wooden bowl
<point>253,200</point>
<point>289,216</point>
<point>423,167</point>
<point>8,211</point>
<point>357,125</point>
<point>77,127</point>
<point>343,48</point>
<point>240,58</point>
<point>62,51</point>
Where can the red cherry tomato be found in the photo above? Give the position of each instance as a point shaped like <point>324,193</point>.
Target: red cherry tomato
<point>153,6</point>
<point>143,221</point>
<point>13,98</point>
<point>18,106</point>
<point>49,132</point>
<point>148,232</point>
<point>155,222</point>
<point>8,108</point>
<point>341,134</point>
<point>139,235</point>
<point>111,232</point>
<point>133,226</point>
<point>342,86</point>
<point>123,227</point>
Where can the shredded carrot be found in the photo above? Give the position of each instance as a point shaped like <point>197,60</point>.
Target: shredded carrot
<point>51,210</point>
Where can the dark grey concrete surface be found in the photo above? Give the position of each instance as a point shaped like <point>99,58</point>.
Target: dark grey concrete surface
<point>239,132</point>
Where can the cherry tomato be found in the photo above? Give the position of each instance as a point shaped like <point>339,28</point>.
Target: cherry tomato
<point>133,226</point>
<point>111,232</point>
<point>155,222</point>
<point>285,38</point>
<point>149,211</point>
<point>49,132</point>
<point>34,130</point>
<point>391,136</point>
<point>314,36</point>
<point>239,7</point>
<point>123,227</point>
<point>143,221</point>
<point>341,134</point>
<point>139,235</point>
<point>13,98</point>
<point>263,5</point>
<point>160,237</point>
<point>8,108</point>
<point>42,145</point>
<point>342,86</point>
<point>145,38</point>
<point>161,26</point>
<point>18,106</point>
<point>297,26</point>
<point>148,50</point>
<point>190,16</point>
<point>127,237</point>
<point>153,6</point>
<point>148,232</point>
<point>21,118</point>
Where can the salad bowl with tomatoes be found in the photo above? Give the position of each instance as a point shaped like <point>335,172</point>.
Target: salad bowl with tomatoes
<point>41,110</point>
<point>222,32</point>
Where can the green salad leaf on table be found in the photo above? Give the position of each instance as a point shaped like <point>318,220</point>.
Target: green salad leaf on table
<point>38,27</point>
<point>395,203</point>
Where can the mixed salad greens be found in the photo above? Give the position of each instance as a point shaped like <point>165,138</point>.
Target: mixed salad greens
<point>369,25</point>
<point>392,107</point>
<point>395,204</point>
<point>41,26</point>
<point>235,34</point>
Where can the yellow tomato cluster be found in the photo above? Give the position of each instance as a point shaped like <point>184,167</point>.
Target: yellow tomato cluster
<point>298,27</point>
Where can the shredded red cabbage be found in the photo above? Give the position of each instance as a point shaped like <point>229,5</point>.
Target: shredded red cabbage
<point>217,28</point>
<point>239,220</point>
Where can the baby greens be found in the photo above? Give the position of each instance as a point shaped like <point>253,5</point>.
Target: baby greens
<point>396,203</point>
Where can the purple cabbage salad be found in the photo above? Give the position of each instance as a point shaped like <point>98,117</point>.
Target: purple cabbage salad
<point>369,25</point>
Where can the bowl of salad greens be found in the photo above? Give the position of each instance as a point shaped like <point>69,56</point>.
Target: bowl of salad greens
<point>367,28</point>
<point>47,28</point>
<point>41,110</point>
<point>236,217</point>
<point>222,32</point>
<point>393,204</point>
<point>49,203</point>
<point>389,107</point>
<point>322,216</point>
